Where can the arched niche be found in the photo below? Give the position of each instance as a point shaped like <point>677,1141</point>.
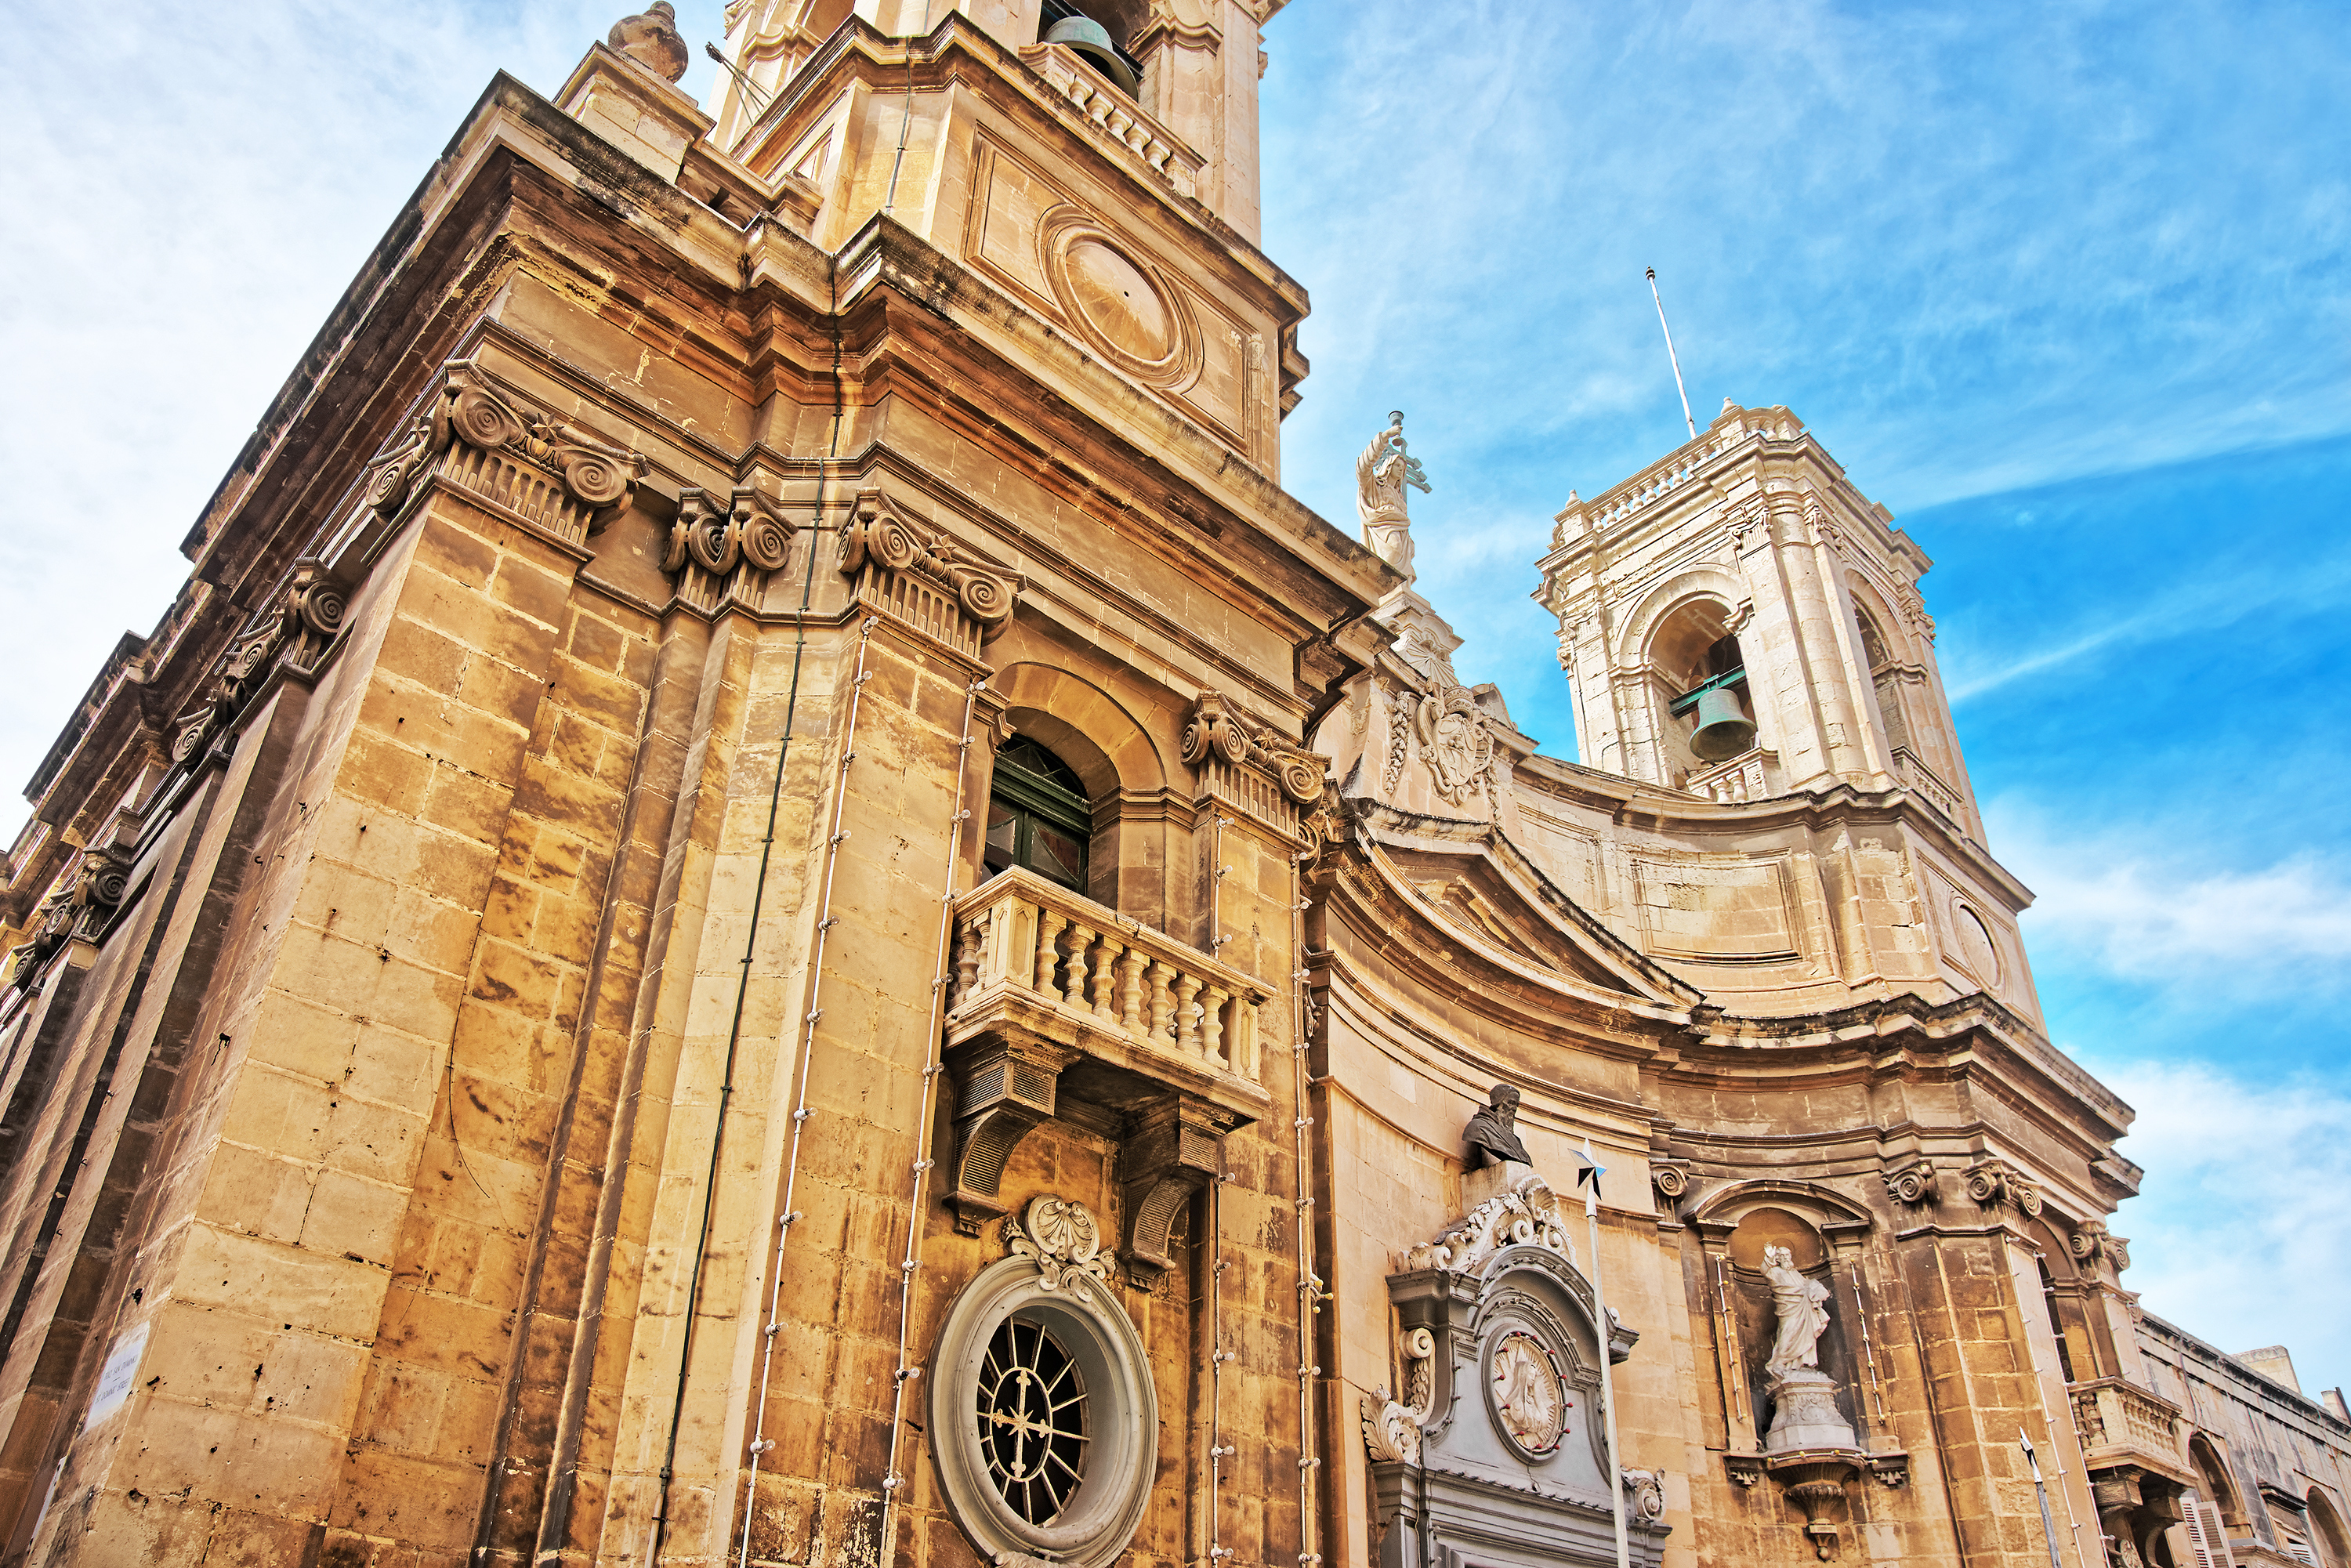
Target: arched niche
<point>1119,764</point>
<point>1823,1231</point>
<point>2217,1481</point>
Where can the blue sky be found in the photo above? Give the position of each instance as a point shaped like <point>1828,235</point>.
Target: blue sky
<point>2063,285</point>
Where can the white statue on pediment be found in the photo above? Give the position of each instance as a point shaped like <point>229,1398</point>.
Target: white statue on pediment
<point>1382,476</point>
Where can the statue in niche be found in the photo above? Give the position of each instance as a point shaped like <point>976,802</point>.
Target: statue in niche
<point>1382,475</point>
<point>1803,1312</point>
<point>1492,1133</point>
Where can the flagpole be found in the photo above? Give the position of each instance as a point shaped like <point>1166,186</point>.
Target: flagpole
<point>1588,1178</point>
<point>2048,1525</point>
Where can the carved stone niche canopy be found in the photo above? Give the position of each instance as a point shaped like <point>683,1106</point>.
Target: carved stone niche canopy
<point>1498,1451</point>
<point>1064,1008</point>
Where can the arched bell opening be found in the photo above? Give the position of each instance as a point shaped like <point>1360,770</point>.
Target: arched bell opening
<point>1700,674</point>
<point>1885,681</point>
<point>1098,32</point>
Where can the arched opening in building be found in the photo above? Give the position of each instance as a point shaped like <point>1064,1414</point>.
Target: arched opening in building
<point>2327,1532</point>
<point>1037,815</point>
<point>1098,32</point>
<point>2227,1510</point>
<point>1703,691</point>
<point>1885,681</point>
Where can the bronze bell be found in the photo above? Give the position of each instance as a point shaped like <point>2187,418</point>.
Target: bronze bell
<point>1723,730</point>
<point>1091,40</point>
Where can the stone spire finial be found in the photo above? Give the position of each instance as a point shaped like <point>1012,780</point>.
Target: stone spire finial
<point>651,40</point>
<point>1382,474</point>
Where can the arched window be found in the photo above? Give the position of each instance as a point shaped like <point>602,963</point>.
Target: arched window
<point>1037,815</point>
<point>1703,687</point>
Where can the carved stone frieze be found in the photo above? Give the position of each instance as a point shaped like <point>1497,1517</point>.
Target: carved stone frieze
<point>485,441</point>
<point>918,576</point>
<point>1216,729</point>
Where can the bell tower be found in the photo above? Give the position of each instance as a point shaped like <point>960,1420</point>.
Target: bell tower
<point>1174,80</point>
<point>1738,622</point>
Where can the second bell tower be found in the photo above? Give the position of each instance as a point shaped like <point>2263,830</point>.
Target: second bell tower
<point>1738,622</point>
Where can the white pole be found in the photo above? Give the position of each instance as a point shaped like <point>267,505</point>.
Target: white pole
<point>1590,1181</point>
<point>1676,360</point>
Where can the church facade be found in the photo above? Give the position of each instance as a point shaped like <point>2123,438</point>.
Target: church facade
<point>767,902</point>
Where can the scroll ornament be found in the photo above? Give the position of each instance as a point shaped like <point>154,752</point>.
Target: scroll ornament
<point>1994,1181</point>
<point>467,408</point>
<point>1215,728</point>
<point>1062,1237</point>
<point>1913,1183</point>
<point>718,536</point>
<point>875,535</point>
<point>1645,1495</point>
<point>1392,1426</point>
<point>2091,1240</point>
<point>1524,1214</point>
<point>308,616</point>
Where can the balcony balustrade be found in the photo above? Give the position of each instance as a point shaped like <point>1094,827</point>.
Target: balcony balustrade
<point>1061,1006</point>
<point>2121,1423</point>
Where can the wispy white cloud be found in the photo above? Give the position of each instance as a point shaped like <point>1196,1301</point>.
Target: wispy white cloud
<point>2240,1235</point>
<point>2161,904</point>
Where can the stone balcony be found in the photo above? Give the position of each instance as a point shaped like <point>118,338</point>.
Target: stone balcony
<point>2122,1425</point>
<point>1064,1008</point>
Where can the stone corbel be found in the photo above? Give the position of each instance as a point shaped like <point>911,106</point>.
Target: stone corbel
<point>1991,1181</point>
<point>904,569</point>
<point>1813,1483</point>
<point>1175,1149</point>
<point>582,484</point>
<point>1002,1089</point>
<point>722,546</point>
<point>1215,728</point>
<point>1911,1183</point>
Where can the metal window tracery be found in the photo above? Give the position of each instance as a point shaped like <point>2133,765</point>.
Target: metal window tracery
<point>1032,1420</point>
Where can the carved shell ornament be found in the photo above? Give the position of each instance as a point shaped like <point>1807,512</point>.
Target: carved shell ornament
<point>1064,1240</point>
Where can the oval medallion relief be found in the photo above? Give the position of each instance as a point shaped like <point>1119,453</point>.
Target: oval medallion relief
<point>1977,952</point>
<point>1120,305</point>
<point>1118,301</point>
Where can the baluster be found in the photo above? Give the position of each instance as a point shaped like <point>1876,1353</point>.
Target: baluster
<point>1212,1024</point>
<point>1106,981</point>
<point>1246,1060</point>
<point>1082,940</point>
<point>1163,1007</point>
<point>1049,954</point>
<point>1129,991</point>
<point>1187,1015</point>
<point>970,939</point>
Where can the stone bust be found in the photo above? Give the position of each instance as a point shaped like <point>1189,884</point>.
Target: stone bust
<point>1492,1133</point>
